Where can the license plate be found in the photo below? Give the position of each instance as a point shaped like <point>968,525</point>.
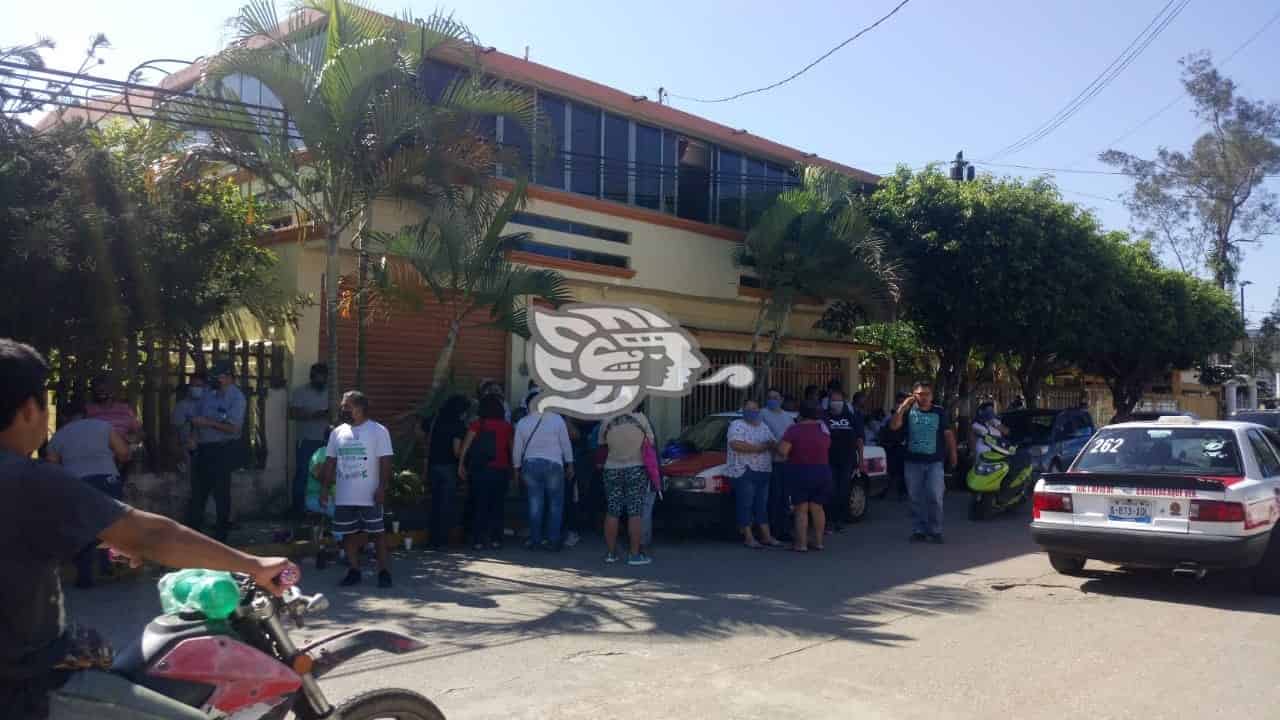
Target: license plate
<point>1130,511</point>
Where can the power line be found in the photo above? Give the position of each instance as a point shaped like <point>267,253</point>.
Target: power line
<point>1069,170</point>
<point>1103,79</point>
<point>802,70</point>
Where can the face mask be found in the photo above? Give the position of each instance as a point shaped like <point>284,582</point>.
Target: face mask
<point>345,416</point>
<point>751,416</point>
<point>773,404</point>
<point>195,392</point>
<point>837,407</point>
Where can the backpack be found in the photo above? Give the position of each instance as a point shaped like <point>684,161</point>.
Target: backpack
<point>484,449</point>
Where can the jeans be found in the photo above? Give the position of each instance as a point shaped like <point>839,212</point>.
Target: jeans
<point>113,486</point>
<point>98,695</point>
<point>211,474</point>
<point>926,486</point>
<point>779,508</point>
<point>489,492</point>
<point>544,480</point>
<point>444,486</point>
<point>305,449</point>
<point>751,498</point>
<point>842,485</point>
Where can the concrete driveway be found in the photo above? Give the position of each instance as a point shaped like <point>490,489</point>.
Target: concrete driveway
<point>874,627</point>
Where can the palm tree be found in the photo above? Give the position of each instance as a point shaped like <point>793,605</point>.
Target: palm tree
<point>359,126</point>
<point>458,257</point>
<point>813,241</point>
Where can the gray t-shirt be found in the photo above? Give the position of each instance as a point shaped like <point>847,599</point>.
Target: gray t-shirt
<point>85,448</point>
<point>223,405</point>
<point>310,400</point>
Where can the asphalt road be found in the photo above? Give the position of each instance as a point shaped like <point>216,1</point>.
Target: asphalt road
<point>874,627</point>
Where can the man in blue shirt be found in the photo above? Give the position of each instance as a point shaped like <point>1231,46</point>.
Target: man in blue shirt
<point>926,438</point>
<point>218,422</point>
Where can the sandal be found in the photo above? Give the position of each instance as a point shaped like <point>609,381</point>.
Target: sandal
<point>819,548</point>
<point>753,545</point>
<point>798,549</point>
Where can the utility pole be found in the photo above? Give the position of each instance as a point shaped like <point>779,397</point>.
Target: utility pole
<point>962,170</point>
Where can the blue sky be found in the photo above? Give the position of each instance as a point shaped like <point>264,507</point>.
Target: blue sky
<point>938,77</point>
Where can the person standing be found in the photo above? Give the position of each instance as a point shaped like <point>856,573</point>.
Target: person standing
<point>846,427</point>
<point>218,422</point>
<point>309,410</point>
<point>806,446</point>
<point>91,450</point>
<point>184,411</point>
<point>625,482</point>
<point>891,440</point>
<point>750,465</point>
<point>485,460</point>
<point>927,442</point>
<point>778,421</point>
<point>542,456</point>
<point>444,447</point>
<point>107,406</point>
<point>358,467</point>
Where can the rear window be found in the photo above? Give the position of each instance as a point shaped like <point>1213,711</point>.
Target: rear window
<point>1271,420</point>
<point>1034,428</point>
<point>1184,451</point>
<point>709,433</point>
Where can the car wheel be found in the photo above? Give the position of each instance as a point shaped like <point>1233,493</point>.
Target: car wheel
<point>858,500</point>
<point>1266,576</point>
<point>1067,564</point>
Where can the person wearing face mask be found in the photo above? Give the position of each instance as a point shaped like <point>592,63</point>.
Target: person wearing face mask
<point>357,468</point>
<point>846,425</point>
<point>750,461</point>
<point>189,397</point>
<point>218,422</point>
<point>778,420</point>
<point>309,411</point>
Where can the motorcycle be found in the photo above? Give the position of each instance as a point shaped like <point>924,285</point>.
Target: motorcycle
<point>1001,478</point>
<point>246,666</point>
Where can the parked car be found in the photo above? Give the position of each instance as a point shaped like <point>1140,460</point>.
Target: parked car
<point>1265,418</point>
<point>696,492</point>
<point>1052,437</point>
<point>1151,415</point>
<point>1176,493</point>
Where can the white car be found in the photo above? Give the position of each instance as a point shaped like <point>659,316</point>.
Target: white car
<point>1177,493</point>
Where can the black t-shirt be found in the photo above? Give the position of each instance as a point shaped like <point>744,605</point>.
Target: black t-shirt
<point>440,450</point>
<point>845,429</point>
<point>47,517</point>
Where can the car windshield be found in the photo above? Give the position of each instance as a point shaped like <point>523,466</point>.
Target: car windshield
<point>1034,428</point>
<point>1183,451</point>
<point>707,434</point>
<point>1271,420</point>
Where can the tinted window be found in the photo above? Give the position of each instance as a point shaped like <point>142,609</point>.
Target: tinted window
<point>617,147</point>
<point>437,77</point>
<point>568,253</point>
<point>585,160</point>
<point>570,227</point>
<point>729,189</point>
<point>517,148</point>
<point>551,159</point>
<point>648,166</point>
<point>1271,420</point>
<point>670,172</point>
<point>758,196</point>
<point>1184,451</point>
<point>694,180</point>
<point>709,433</point>
<point>1266,455</point>
<point>1034,428</point>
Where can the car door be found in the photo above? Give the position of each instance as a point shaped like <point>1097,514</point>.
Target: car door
<point>1076,431</point>
<point>1262,504</point>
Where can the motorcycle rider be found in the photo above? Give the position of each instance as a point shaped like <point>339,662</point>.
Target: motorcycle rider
<point>49,668</point>
<point>985,425</point>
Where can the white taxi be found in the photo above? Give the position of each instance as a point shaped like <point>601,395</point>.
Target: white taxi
<point>1177,493</point>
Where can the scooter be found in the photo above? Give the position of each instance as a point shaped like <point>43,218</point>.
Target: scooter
<point>1000,479</point>
<point>246,666</point>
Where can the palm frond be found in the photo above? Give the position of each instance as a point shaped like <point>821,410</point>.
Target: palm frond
<point>351,77</point>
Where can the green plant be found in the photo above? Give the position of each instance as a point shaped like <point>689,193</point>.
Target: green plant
<point>404,489</point>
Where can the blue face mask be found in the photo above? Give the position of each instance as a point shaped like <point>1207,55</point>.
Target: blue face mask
<point>773,403</point>
<point>751,415</point>
<point>195,392</point>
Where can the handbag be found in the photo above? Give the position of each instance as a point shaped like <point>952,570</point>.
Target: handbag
<point>650,454</point>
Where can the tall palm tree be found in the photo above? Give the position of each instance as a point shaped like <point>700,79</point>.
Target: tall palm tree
<point>359,125</point>
<point>813,241</point>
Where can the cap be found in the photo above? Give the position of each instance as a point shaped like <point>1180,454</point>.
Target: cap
<point>222,367</point>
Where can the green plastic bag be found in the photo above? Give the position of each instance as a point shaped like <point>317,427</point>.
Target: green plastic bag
<point>212,593</point>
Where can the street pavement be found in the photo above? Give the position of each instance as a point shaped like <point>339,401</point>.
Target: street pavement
<point>874,628</point>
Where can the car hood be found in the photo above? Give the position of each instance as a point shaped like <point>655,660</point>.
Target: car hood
<point>690,465</point>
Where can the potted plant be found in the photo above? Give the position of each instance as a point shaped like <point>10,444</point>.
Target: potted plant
<point>404,501</point>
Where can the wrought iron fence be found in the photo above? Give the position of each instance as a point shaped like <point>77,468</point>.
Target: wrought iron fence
<point>790,374</point>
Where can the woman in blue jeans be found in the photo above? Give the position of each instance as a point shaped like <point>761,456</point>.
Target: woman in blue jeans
<point>750,461</point>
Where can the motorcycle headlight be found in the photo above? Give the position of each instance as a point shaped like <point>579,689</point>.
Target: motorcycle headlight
<point>987,469</point>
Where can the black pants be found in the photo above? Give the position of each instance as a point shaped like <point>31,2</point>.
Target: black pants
<point>113,486</point>
<point>841,488</point>
<point>211,468</point>
<point>444,487</point>
<point>489,491</point>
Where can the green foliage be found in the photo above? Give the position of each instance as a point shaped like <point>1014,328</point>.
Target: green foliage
<point>405,489</point>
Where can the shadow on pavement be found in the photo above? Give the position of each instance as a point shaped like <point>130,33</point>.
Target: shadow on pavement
<point>1220,591</point>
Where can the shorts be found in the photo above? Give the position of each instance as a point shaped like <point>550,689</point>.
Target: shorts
<point>348,519</point>
<point>624,490</point>
<point>808,484</point>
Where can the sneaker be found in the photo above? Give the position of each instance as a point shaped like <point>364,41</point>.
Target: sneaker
<point>384,578</point>
<point>640,559</point>
<point>572,539</point>
<point>352,578</point>
<point>918,537</point>
<point>611,558</point>
<point>936,539</point>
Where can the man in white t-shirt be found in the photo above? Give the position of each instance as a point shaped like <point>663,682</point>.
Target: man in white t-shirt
<point>358,467</point>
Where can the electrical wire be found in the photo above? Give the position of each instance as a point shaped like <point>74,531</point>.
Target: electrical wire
<point>1122,61</point>
<point>799,72</point>
<point>1068,170</point>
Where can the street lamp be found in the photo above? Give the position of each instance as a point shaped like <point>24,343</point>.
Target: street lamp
<point>1243,285</point>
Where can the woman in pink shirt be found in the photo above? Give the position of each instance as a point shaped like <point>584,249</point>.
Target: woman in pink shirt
<point>805,446</point>
<point>106,407</point>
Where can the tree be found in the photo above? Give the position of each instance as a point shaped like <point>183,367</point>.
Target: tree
<point>1202,206</point>
<point>813,241</point>
<point>360,127</point>
<point>1157,320</point>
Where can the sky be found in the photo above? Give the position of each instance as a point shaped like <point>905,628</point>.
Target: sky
<point>937,78</point>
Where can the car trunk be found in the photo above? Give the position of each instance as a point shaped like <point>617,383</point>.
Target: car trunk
<point>1149,502</point>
